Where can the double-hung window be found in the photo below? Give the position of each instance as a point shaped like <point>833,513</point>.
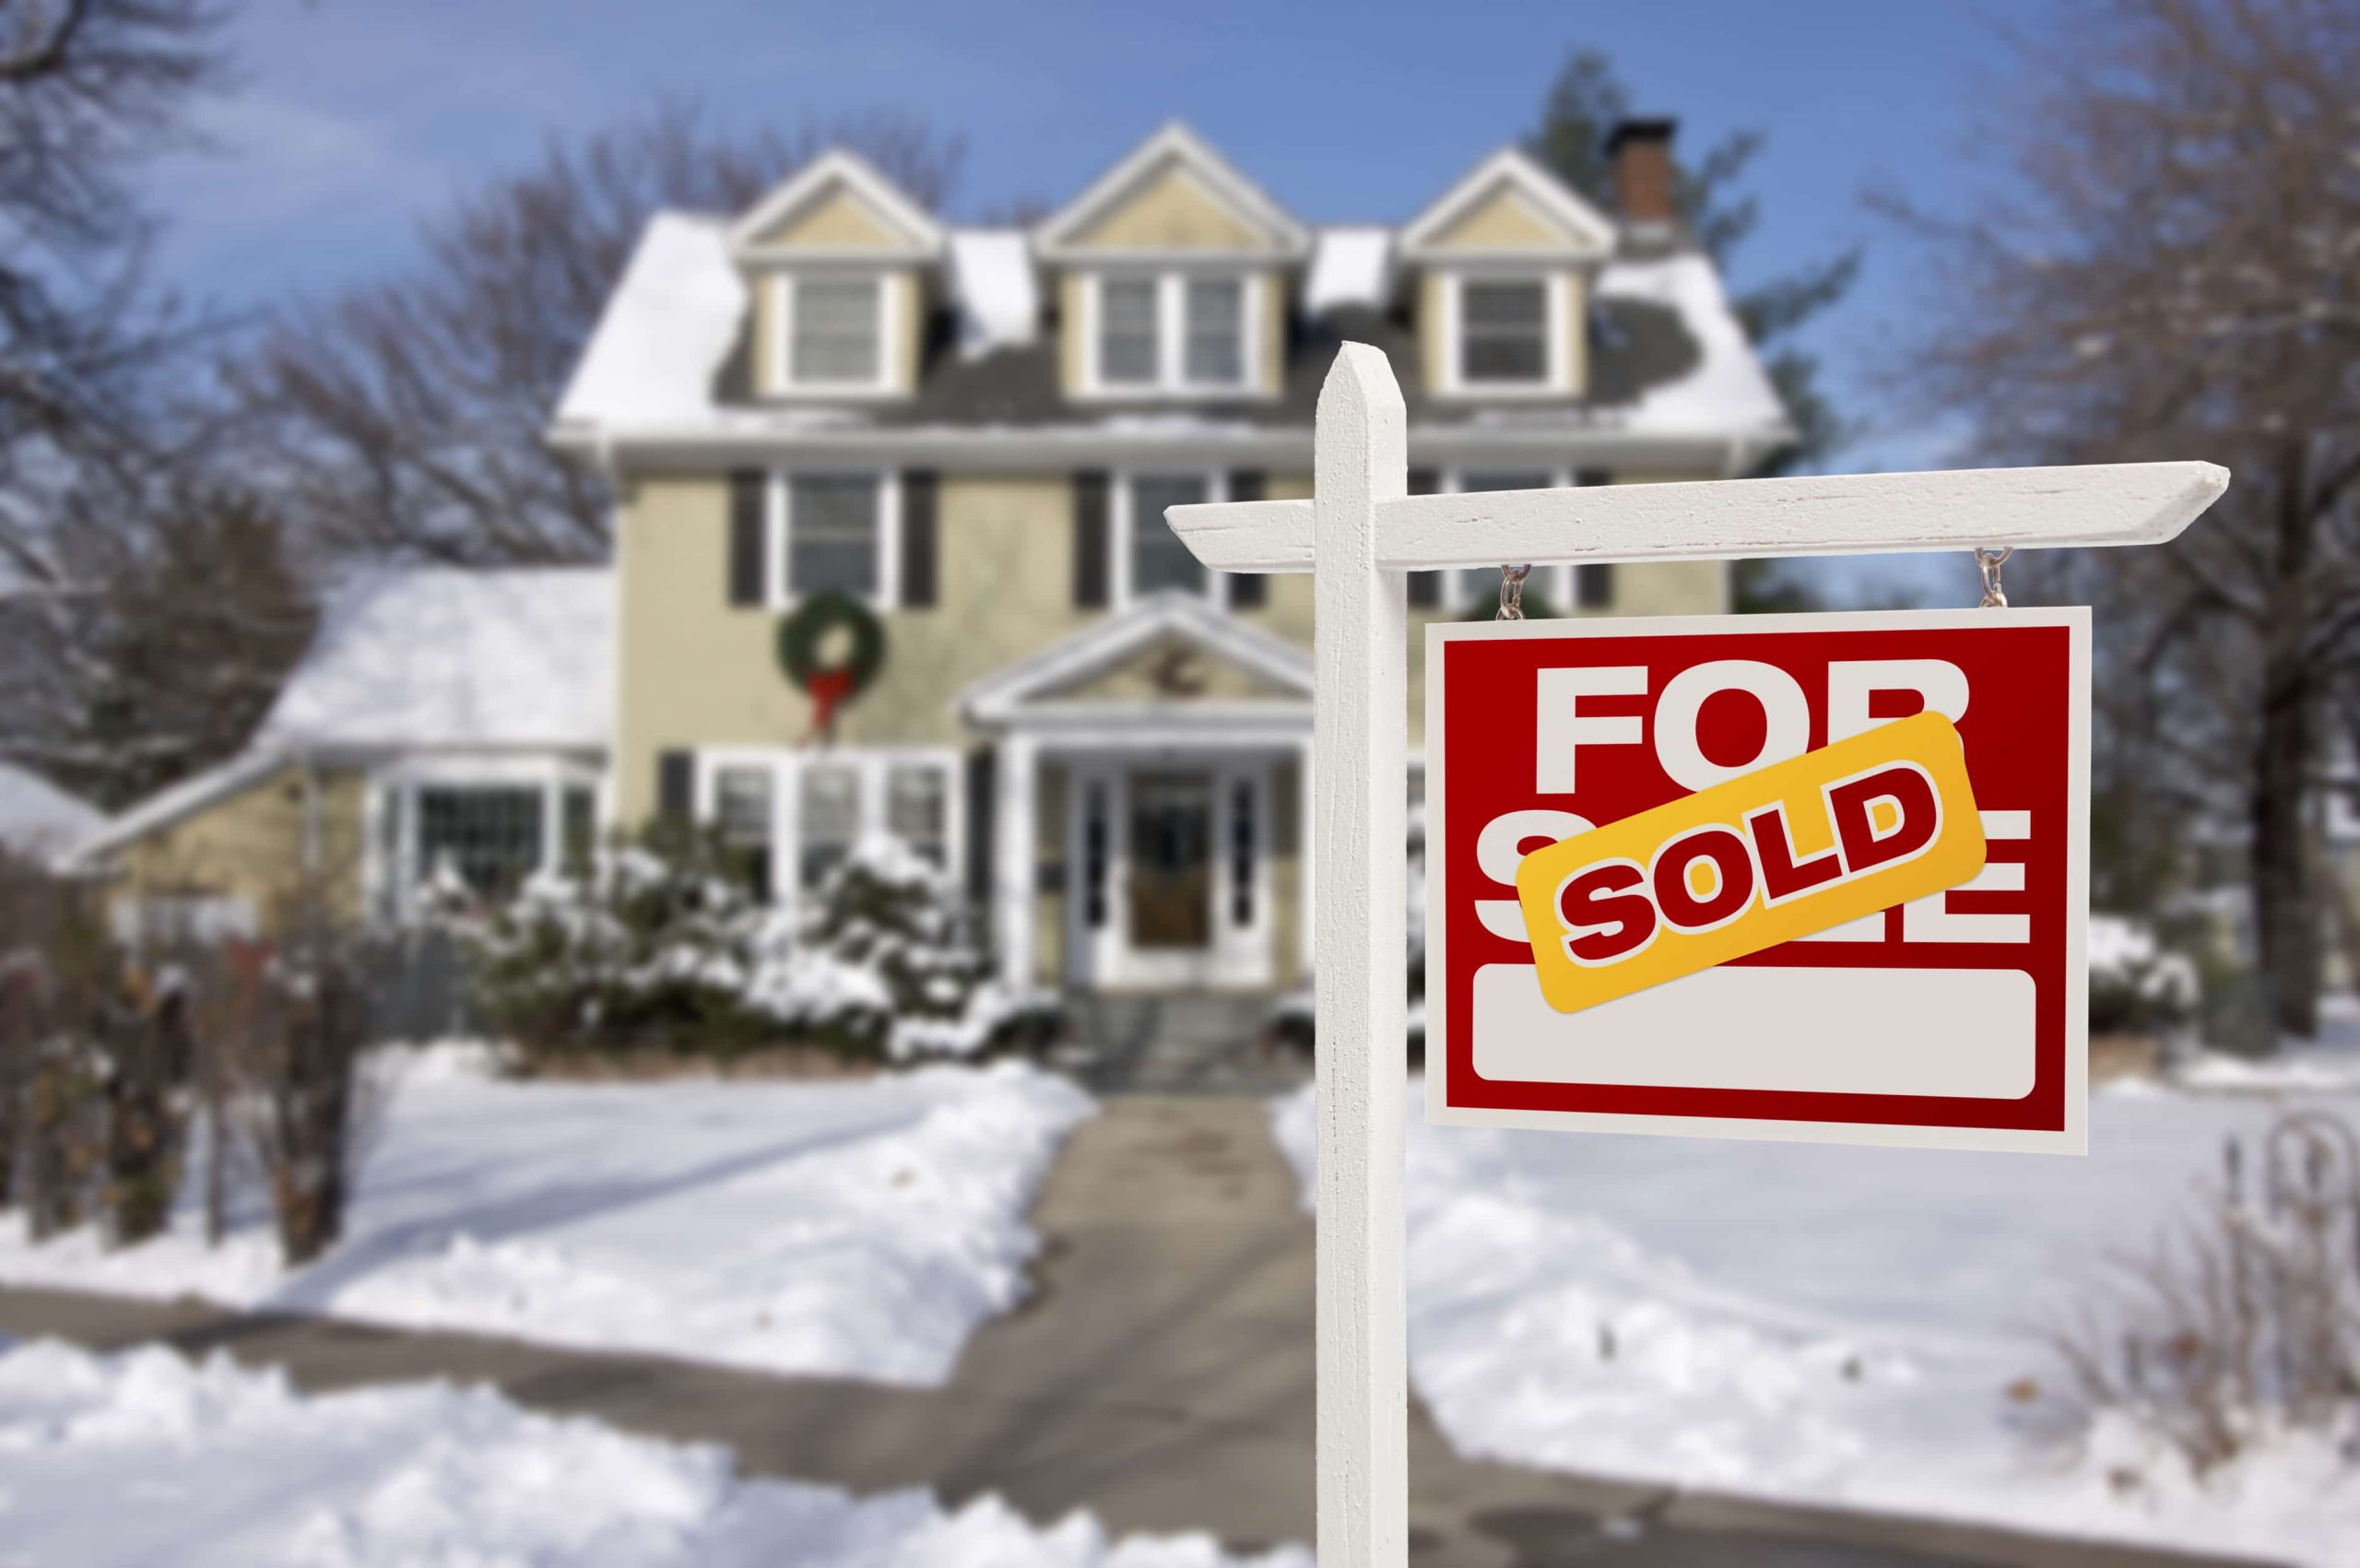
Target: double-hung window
<point>1504,332</point>
<point>834,524</point>
<point>1173,332</point>
<point>1214,321</point>
<point>1158,557</point>
<point>835,332</point>
<point>488,838</point>
<point>1128,338</point>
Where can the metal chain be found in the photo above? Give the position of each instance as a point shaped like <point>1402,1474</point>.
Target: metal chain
<point>1512,592</point>
<point>1989,561</point>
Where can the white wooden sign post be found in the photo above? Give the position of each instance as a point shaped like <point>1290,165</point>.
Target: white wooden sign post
<point>1359,534</point>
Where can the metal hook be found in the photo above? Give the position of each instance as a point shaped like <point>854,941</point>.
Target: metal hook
<point>1512,592</point>
<point>1989,561</point>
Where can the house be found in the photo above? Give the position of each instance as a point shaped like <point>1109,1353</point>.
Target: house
<point>38,820</point>
<point>972,435</point>
<point>442,722</point>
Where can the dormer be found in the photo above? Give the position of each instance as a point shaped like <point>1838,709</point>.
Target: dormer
<point>1173,276</point>
<point>1503,263</point>
<point>835,261</point>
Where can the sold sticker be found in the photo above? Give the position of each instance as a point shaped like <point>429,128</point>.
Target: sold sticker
<point>1799,846</point>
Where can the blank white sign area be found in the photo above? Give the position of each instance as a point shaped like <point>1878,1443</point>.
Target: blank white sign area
<point>1962,1033</point>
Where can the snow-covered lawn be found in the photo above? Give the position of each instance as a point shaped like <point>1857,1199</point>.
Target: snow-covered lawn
<point>1825,1323</point>
<point>145,1457</point>
<point>855,1229</point>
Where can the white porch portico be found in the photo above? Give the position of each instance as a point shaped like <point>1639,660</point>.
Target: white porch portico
<point>1151,804</point>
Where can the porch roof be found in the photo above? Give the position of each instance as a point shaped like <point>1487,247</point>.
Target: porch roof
<point>1040,690</point>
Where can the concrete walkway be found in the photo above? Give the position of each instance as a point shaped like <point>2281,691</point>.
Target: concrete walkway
<point>1160,1377</point>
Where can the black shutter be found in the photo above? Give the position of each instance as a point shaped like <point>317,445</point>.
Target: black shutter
<point>675,786</point>
<point>920,491</point>
<point>1092,554</point>
<point>1248,590</point>
<point>1594,584</point>
<point>1425,587</point>
<point>748,536</point>
<point>980,829</point>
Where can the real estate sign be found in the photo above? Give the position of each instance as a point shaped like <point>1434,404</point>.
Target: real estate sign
<point>1816,876</point>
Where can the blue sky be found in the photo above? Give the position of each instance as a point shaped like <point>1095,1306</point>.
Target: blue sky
<point>352,119</point>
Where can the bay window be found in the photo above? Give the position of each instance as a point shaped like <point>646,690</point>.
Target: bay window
<point>477,826</point>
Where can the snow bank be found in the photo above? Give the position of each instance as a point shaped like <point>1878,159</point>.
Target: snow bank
<point>854,1229</point>
<point>145,1457</point>
<point>1824,1325</point>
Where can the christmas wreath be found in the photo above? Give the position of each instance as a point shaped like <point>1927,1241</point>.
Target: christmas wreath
<point>802,636</point>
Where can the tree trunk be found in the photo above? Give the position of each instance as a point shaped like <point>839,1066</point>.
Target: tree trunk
<point>2285,899</point>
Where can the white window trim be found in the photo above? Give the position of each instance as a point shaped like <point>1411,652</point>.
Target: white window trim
<point>1557,294</point>
<point>1172,335</point>
<point>783,285</point>
<point>869,764</point>
<point>1237,955</point>
<point>779,526</point>
<point>1119,509</point>
<point>394,885</point>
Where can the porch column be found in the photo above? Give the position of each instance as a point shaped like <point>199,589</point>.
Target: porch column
<point>1014,860</point>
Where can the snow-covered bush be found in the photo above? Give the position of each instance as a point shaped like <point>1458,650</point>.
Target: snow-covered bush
<point>659,946</point>
<point>2247,1325</point>
<point>2135,982</point>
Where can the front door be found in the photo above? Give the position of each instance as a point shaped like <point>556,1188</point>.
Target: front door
<point>1171,853</point>
<point>1168,879</point>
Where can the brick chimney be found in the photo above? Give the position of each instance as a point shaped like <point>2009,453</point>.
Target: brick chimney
<point>1640,150</point>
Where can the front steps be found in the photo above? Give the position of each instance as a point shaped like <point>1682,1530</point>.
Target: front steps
<point>1180,1043</point>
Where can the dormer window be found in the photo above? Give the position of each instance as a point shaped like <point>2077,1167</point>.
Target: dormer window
<point>833,333</point>
<point>1172,333</point>
<point>1504,332</point>
<point>1506,335</point>
<point>837,334</point>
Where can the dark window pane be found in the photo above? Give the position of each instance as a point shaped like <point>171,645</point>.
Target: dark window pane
<point>1215,331</point>
<point>828,823</point>
<point>1127,331</point>
<point>836,330</point>
<point>1158,557</point>
<point>832,533</point>
<point>489,839</point>
<point>581,827</point>
<point>1503,331</point>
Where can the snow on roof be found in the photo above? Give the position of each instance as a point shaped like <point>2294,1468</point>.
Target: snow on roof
<point>992,279</point>
<point>38,819</point>
<point>1349,266</point>
<point>1728,389</point>
<point>447,657</point>
<point>670,322</point>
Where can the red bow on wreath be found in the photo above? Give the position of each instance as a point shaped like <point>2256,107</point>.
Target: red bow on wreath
<point>831,685</point>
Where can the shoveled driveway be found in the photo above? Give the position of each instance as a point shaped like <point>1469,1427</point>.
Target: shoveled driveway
<point>1160,1377</point>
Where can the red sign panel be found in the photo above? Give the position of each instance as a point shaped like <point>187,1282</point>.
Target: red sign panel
<point>1957,1019</point>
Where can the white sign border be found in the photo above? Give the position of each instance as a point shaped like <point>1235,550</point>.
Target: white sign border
<point>2074,1137</point>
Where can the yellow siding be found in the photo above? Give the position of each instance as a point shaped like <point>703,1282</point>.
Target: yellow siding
<point>251,846</point>
<point>1174,211</point>
<point>1141,676</point>
<point>908,305</point>
<point>1273,368</point>
<point>764,351</point>
<point>1505,220</point>
<point>1433,352</point>
<point>1576,326</point>
<point>697,673</point>
<point>838,220</point>
<point>1073,330</point>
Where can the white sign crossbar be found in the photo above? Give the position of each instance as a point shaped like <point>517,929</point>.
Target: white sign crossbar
<point>2116,503</point>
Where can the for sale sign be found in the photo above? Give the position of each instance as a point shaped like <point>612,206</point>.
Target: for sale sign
<point>1820,877</point>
